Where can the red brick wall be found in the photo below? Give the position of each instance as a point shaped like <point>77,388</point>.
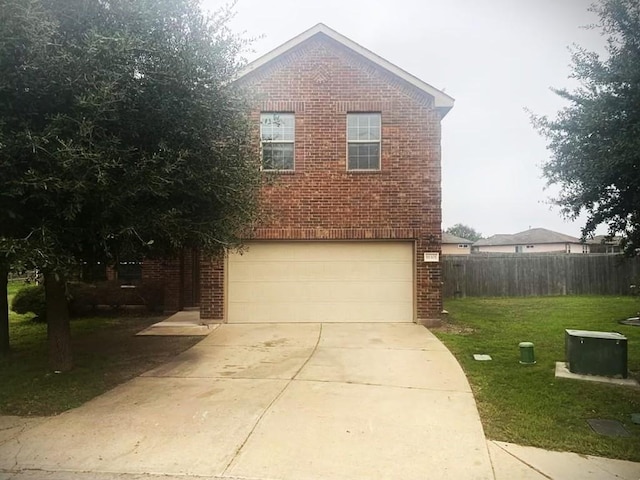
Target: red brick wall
<point>321,81</point>
<point>152,270</point>
<point>212,288</point>
<point>177,277</point>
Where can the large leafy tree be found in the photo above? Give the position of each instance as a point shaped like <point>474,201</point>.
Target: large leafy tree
<point>595,140</point>
<point>25,33</point>
<point>464,231</point>
<point>120,131</point>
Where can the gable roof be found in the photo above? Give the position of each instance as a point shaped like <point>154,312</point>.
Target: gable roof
<point>527,237</point>
<point>442,101</point>
<point>449,238</point>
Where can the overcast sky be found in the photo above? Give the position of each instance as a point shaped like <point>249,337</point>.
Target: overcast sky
<point>495,57</point>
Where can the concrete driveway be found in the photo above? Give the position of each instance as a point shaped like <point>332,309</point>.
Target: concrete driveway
<point>274,401</point>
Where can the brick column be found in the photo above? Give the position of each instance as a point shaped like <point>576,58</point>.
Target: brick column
<point>212,289</point>
<point>428,286</point>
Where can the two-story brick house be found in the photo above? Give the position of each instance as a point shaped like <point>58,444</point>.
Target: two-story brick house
<point>353,144</point>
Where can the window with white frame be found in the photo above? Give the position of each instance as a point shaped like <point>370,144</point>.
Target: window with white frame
<point>277,137</point>
<point>363,141</point>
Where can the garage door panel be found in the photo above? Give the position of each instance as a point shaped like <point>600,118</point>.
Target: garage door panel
<point>389,292</point>
<point>258,271</point>
<point>255,253</point>
<point>317,312</point>
<point>365,252</point>
<point>331,292</point>
<point>321,282</point>
<point>317,271</point>
<point>355,271</point>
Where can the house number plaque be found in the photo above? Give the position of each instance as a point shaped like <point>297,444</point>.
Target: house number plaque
<point>431,257</point>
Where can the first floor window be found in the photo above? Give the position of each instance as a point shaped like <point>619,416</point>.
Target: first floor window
<point>363,141</point>
<point>277,137</point>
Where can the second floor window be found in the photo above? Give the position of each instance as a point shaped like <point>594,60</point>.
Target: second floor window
<point>363,141</point>
<point>277,137</point>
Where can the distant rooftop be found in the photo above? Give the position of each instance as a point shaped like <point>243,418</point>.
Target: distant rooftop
<point>604,240</point>
<point>527,237</point>
<point>449,238</point>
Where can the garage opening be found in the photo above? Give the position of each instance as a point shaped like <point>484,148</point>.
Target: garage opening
<point>321,282</point>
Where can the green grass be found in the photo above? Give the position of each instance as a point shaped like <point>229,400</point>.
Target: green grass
<point>13,287</point>
<point>106,353</point>
<point>527,404</point>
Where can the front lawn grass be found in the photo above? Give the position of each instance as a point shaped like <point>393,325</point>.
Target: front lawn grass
<point>106,353</point>
<point>526,404</point>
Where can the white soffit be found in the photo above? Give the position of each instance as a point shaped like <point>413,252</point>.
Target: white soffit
<point>442,101</point>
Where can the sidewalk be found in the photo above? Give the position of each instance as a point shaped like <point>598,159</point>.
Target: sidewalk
<point>512,462</point>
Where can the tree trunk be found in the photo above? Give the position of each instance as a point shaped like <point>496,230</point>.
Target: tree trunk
<point>4,310</point>
<point>58,328</point>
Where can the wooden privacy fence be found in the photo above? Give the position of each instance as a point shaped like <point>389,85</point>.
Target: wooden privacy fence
<point>519,275</point>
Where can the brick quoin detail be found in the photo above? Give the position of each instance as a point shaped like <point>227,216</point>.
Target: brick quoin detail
<point>320,81</point>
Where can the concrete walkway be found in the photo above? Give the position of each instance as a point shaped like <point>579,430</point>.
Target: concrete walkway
<point>528,463</point>
<point>277,401</point>
<point>287,402</point>
<point>183,323</point>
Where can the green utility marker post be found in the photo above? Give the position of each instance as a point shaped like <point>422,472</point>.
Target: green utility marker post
<point>527,357</point>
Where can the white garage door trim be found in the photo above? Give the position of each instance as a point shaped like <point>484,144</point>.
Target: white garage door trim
<point>321,281</point>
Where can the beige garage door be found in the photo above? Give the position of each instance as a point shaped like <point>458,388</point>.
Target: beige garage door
<point>321,282</point>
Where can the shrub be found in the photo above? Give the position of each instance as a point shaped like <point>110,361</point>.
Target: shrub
<point>82,299</point>
<point>31,299</point>
<point>85,298</point>
<point>111,293</point>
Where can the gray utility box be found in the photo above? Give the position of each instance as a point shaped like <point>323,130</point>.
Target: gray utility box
<point>596,353</point>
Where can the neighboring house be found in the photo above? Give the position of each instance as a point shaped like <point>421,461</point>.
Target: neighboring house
<point>604,244</point>
<point>535,240</point>
<point>452,245</point>
<point>354,145</point>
